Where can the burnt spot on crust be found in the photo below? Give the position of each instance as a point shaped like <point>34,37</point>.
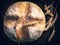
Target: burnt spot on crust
<point>11,18</point>
<point>23,34</point>
<point>30,18</point>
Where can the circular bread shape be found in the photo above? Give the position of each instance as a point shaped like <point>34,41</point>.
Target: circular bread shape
<point>22,10</point>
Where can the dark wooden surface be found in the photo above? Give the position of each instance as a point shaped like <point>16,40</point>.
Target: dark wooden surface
<point>4,40</point>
